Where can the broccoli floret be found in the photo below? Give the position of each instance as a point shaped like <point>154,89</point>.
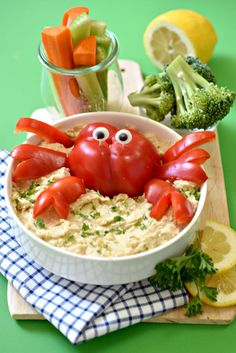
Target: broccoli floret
<point>198,66</point>
<point>157,96</point>
<point>201,68</point>
<point>199,103</point>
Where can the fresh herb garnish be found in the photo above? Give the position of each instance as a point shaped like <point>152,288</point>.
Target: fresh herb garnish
<point>196,193</point>
<point>115,209</point>
<point>85,227</point>
<point>40,223</point>
<point>27,193</point>
<point>95,214</point>
<point>194,266</point>
<point>125,203</point>
<point>78,213</point>
<point>50,181</point>
<point>118,219</point>
<point>69,239</point>
<point>140,224</point>
<point>143,226</point>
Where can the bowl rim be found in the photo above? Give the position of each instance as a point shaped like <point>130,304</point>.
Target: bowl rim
<point>34,237</point>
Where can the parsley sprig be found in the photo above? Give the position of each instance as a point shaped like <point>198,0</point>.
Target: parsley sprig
<point>194,266</point>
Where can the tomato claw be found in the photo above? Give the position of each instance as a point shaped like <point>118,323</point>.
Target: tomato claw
<point>60,195</point>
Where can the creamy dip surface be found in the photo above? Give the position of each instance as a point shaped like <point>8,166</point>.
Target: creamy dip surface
<point>98,225</point>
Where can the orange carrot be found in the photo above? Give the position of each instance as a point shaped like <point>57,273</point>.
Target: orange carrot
<point>72,13</point>
<point>58,46</point>
<point>85,52</point>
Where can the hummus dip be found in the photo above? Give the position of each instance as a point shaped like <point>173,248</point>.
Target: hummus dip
<point>98,225</point>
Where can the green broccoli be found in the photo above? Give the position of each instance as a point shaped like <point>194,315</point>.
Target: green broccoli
<point>199,103</point>
<point>157,96</point>
<point>201,68</point>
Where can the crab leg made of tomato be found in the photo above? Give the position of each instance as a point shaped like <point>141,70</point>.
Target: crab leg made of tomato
<point>60,195</point>
<point>45,131</point>
<point>179,170</point>
<point>35,161</point>
<point>197,155</point>
<point>187,143</point>
<point>161,195</point>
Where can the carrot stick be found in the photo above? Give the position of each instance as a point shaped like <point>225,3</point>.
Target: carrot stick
<point>58,46</point>
<point>85,52</point>
<point>72,13</point>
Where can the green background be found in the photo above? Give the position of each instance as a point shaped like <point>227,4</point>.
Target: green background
<point>20,26</point>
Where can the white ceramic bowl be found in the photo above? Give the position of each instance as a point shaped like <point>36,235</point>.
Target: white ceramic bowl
<point>97,270</point>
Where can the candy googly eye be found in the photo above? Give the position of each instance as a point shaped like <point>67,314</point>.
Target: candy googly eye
<point>100,134</point>
<point>123,136</point>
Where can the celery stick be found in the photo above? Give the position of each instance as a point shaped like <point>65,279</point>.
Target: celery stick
<point>103,41</point>
<point>89,85</point>
<point>103,46</point>
<point>102,75</point>
<point>80,28</point>
<point>98,28</point>
<point>92,91</point>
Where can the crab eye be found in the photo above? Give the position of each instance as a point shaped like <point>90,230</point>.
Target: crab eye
<point>100,134</point>
<point>123,136</point>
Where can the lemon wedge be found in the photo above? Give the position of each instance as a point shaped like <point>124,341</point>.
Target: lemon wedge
<point>219,242</point>
<point>224,282</point>
<point>179,32</point>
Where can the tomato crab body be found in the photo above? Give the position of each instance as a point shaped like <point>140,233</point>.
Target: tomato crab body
<point>113,161</point>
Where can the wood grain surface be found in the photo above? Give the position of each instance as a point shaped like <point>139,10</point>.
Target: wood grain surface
<point>215,207</point>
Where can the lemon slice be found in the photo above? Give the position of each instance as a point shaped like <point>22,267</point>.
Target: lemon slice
<point>179,32</point>
<point>219,242</point>
<point>225,283</point>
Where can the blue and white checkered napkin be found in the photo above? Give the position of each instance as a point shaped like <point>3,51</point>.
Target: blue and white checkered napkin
<point>79,311</point>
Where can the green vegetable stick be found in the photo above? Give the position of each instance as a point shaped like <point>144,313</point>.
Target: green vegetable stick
<point>92,91</point>
<point>103,46</point>
<point>80,28</point>
<point>98,28</point>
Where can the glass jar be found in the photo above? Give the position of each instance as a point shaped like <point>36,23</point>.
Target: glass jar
<point>81,90</point>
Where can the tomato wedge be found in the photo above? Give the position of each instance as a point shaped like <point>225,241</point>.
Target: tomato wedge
<point>155,188</point>
<point>59,195</point>
<point>36,161</point>
<point>178,170</point>
<point>197,155</point>
<point>161,206</point>
<point>182,208</point>
<point>45,131</point>
<point>187,143</point>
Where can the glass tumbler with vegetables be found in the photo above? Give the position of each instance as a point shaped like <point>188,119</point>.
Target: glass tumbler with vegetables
<point>80,68</point>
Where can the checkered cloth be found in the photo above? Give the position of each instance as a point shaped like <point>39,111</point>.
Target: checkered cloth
<point>79,311</point>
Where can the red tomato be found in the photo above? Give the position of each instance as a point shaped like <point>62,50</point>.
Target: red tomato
<point>178,170</point>
<point>45,131</point>
<point>155,188</point>
<point>111,165</point>
<point>187,143</point>
<point>36,161</point>
<point>197,155</point>
<point>161,206</point>
<point>59,195</point>
<point>182,208</point>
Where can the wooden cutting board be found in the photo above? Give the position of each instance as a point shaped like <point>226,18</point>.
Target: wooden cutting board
<point>215,207</point>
